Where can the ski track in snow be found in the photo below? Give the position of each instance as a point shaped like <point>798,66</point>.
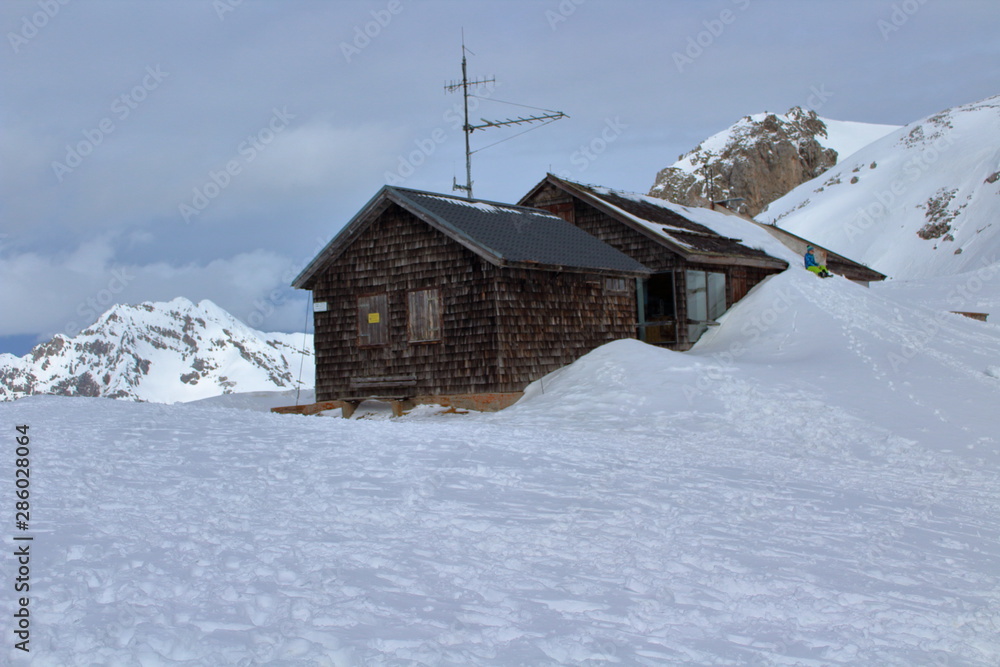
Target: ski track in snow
<point>181,535</point>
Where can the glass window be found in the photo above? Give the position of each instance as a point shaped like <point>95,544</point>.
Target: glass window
<point>706,300</point>
<point>716,295</point>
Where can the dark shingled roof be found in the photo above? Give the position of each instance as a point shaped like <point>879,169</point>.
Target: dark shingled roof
<point>503,234</point>
<point>516,234</point>
<point>693,238</point>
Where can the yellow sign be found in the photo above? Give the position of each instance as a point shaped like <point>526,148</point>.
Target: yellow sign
<point>373,318</point>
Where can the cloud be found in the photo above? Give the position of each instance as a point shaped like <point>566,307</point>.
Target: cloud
<point>319,155</point>
<point>65,292</point>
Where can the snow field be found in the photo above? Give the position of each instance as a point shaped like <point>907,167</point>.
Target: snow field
<point>640,506</point>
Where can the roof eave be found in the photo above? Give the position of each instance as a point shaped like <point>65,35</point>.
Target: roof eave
<point>852,265</point>
<point>735,260</point>
<point>562,268</point>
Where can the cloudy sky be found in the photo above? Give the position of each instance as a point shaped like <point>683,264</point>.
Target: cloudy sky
<point>208,148</point>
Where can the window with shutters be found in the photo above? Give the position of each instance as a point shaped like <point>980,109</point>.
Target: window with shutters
<point>424,325</point>
<point>373,320</point>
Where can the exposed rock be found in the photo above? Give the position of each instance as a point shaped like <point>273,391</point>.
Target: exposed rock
<point>762,161</point>
<point>939,216</point>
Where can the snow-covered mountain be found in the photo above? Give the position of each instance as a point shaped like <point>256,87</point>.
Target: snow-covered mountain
<point>920,202</point>
<point>160,352</point>
<point>761,157</point>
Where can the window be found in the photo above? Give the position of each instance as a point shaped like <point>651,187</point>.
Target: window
<point>373,316</point>
<point>424,321</point>
<point>706,300</point>
<point>617,286</point>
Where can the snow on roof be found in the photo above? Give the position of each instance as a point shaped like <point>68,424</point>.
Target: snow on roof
<point>726,225</point>
<point>485,206</point>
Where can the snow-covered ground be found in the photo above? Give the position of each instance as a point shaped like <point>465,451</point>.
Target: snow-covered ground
<point>815,484</point>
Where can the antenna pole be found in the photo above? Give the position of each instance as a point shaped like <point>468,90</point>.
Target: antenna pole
<point>469,128</point>
<point>466,128</point>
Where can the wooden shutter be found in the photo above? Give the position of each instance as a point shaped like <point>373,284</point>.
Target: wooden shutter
<point>373,316</point>
<point>424,310</point>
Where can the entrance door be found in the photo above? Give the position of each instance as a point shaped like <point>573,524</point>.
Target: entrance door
<point>658,324</point>
<point>373,316</point>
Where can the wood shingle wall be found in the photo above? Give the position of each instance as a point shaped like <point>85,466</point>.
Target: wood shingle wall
<point>394,256</point>
<point>552,319</point>
<point>500,327</point>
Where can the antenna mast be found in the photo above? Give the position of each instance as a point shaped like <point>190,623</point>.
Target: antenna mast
<point>468,128</point>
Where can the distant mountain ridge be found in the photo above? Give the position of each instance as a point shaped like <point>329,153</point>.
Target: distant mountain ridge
<point>921,202</point>
<point>160,352</point>
<point>762,157</point>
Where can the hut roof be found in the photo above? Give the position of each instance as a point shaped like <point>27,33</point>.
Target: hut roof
<point>684,230</point>
<point>503,234</point>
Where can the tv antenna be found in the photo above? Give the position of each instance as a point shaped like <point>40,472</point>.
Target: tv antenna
<point>545,118</point>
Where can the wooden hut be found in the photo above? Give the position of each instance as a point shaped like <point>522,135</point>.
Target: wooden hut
<point>433,298</point>
<point>696,273</point>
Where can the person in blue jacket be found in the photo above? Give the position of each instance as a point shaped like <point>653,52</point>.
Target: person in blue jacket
<point>814,266</point>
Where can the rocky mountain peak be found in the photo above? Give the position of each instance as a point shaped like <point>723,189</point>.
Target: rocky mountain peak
<point>162,352</point>
<point>759,159</point>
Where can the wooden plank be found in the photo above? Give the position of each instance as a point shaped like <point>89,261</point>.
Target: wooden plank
<point>973,316</point>
<point>424,316</point>
<point>385,381</point>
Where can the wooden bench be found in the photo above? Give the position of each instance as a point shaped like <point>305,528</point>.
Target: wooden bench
<point>389,389</point>
<point>383,382</point>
